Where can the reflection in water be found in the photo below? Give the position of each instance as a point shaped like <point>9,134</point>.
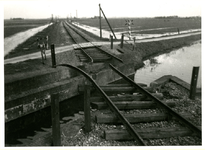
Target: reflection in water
<point>177,63</point>
<point>153,63</point>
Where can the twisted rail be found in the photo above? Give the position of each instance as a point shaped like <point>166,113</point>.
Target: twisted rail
<point>112,106</point>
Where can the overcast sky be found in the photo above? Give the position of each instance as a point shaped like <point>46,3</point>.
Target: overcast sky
<point>89,8</point>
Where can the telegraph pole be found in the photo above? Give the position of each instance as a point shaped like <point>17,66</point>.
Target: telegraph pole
<point>51,17</point>
<point>100,22</point>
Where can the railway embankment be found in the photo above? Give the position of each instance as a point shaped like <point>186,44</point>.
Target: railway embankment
<point>29,84</point>
<point>29,75</point>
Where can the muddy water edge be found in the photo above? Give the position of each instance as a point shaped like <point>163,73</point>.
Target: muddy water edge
<point>179,63</point>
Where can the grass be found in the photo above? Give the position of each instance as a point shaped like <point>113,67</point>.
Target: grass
<point>118,24</point>
<point>12,27</point>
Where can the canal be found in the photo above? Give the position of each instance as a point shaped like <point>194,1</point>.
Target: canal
<point>179,63</point>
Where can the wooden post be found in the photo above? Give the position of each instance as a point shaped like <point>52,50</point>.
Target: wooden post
<point>122,40</point>
<point>111,40</point>
<point>134,43</point>
<point>108,22</point>
<point>100,22</point>
<point>53,56</point>
<point>194,78</point>
<point>55,120</point>
<point>178,31</point>
<point>87,89</point>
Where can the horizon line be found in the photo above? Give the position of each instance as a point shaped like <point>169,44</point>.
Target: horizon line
<point>163,17</point>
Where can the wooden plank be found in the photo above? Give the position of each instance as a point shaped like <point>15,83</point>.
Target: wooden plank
<point>118,98</point>
<point>180,82</point>
<point>126,98</point>
<point>147,133</point>
<point>114,89</point>
<point>122,85</point>
<point>109,88</point>
<point>133,118</point>
<point>118,89</point>
<point>119,85</point>
<point>125,105</point>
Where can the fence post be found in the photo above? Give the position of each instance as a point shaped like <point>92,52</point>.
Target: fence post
<point>111,40</point>
<point>53,56</point>
<point>194,78</point>
<point>56,137</point>
<point>122,40</point>
<point>87,89</point>
<point>134,43</point>
<point>178,31</point>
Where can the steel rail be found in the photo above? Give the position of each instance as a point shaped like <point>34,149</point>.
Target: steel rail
<point>112,106</point>
<point>109,54</point>
<point>94,44</point>
<point>87,55</point>
<point>161,104</point>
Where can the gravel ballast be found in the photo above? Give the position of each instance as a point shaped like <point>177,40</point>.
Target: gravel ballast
<point>173,92</point>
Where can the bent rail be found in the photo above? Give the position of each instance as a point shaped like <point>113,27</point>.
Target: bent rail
<point>125,122</point>
<point>161,104</point>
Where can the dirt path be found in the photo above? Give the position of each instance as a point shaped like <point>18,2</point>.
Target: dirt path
<point>70,47</point>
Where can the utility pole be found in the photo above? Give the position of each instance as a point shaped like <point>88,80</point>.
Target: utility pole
<point>51,17</point>
<point>107,21</point>
<point>100,22</point>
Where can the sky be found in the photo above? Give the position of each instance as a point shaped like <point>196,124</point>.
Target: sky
<point>90,8</point>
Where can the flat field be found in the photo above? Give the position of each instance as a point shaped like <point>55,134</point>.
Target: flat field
<point>146,25</point>
<point>56,35</point>
<point>12,27</point>
<point>59,36</point>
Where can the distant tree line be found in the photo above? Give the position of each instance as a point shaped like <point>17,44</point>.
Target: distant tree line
<point>16,18</point>
<point>96,17</point>
<point>166,17</point>
<point>172,17</point>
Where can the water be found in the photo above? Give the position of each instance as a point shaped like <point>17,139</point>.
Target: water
<point>178,63</point>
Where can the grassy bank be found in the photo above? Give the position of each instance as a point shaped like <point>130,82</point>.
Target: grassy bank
<point>142,51</point>
<point>145,50</point>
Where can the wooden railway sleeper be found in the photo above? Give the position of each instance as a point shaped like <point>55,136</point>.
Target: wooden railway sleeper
<point>116,111</point>
<point>173,113</point>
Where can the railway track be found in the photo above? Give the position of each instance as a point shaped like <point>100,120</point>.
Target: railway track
<point>134,106</point>
<point>134,112</point>
<point>85,50</point>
